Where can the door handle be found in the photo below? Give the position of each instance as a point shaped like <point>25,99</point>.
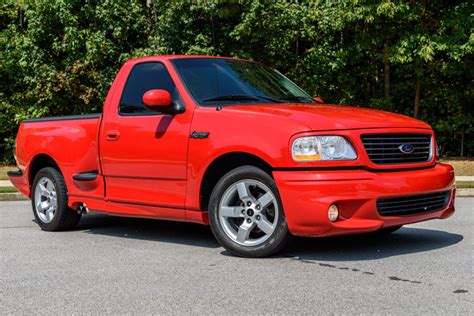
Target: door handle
<point>112,135</point>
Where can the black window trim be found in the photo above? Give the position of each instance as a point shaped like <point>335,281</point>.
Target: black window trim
<point>151,113</point>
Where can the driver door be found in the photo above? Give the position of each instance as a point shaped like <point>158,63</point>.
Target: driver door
<point>144,153</point>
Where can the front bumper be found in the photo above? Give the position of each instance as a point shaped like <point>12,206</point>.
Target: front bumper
<point>307,195</point>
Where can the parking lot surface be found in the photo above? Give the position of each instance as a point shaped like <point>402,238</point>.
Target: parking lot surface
<point>119,265</point>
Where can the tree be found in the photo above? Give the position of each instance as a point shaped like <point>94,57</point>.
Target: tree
<point>412,57</point>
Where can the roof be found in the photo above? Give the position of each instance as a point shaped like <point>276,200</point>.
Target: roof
<point>169,57</point>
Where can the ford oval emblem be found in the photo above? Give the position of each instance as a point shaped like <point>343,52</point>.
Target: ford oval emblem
<point>406,148</point>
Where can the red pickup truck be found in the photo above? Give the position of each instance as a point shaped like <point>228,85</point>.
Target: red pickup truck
<point>236,145</point>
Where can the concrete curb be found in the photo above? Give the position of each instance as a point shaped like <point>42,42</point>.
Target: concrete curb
<point>464,192</point>
<point>5,183</point>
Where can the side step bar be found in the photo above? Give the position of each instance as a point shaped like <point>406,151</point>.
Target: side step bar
<point>86,176</point>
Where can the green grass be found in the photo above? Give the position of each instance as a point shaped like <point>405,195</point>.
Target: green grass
<point>465,184</point>
<point>461,167</point>
<point>8,190</point>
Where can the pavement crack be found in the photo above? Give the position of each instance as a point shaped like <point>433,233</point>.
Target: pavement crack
<point>393,278</point>
<point>327,265</point>
<point>460,291</point>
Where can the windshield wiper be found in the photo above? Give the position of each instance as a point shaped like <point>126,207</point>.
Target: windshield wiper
<point>294,98</point>
<point>270,99</point>
<point>243,97</point>
<point>237,97</point>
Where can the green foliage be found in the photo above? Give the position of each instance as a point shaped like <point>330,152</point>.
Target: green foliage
<point>412,57</point>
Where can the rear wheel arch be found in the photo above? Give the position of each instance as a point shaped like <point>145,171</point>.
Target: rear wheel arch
<point>39,162</point>
<point>222,165</point>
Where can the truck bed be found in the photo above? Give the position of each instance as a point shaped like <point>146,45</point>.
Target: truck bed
<point>72,141</point>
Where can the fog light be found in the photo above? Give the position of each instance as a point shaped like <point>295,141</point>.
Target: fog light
<point>333,213</point>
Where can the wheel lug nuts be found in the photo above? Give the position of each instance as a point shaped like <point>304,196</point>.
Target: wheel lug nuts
<point>249,203</point>
<point>258,217</point>
<point>249,220</point>
<point>243,211</point>
<point>258,207</point>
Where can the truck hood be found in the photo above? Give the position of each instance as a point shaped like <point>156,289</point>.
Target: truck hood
<point>322,117</point>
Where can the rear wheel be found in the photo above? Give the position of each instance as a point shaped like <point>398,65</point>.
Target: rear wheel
<point>246,214</point>
<point>49,201</point>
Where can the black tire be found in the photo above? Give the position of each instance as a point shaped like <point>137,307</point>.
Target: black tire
<point>388,230</point>
<point>64,218</point>
<point>276,240</point>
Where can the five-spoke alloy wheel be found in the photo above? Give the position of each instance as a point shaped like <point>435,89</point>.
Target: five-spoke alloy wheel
<point>49,201</point>
<point>246,214</point>
<point>46,201</point>
<point>246,219</point>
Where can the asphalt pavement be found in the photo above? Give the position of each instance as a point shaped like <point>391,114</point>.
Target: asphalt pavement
<point>113,265</point>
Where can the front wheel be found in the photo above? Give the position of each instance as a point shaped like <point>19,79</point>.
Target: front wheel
<point>49,201</point>
<point>246,214</point>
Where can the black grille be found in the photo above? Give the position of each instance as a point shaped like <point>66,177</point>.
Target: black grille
<point>385,149</point>
<point>413,204</point>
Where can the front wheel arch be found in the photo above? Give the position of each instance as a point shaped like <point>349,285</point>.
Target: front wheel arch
<point>222,165</point>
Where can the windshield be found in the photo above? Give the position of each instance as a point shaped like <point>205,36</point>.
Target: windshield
<point>213,81</point>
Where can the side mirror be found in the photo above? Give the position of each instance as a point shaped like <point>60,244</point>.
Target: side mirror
<point>157,99</point>
<point>318,99</point>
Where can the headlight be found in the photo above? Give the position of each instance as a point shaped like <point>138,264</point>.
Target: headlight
<point>314,148</point>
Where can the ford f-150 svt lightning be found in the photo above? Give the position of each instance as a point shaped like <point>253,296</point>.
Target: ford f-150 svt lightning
<point>236,145</point>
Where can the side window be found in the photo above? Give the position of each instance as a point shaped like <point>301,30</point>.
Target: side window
<point>144,77</point>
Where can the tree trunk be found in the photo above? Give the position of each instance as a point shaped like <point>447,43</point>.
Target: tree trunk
<point>21,18</point>
<point>416,103</point>
<point>386,77</point>
<point>386,73</point>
